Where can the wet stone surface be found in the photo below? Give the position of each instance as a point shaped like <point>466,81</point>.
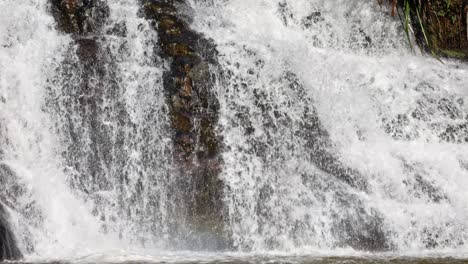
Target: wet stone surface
<point>193,107</point>
<point>8,244</point>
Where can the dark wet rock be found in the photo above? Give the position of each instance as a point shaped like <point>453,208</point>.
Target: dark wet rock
<point>285,12</point>
<point>193,108</point>
<point>442,115</point>
<point>12,193</point>
<point>418,186</point>
<point>400,127</point>
<point>437,237</point>
<point>359,38</point>
<point>9,249</point>
<point>322,148</point>
<point>449,108</point>
<point>323,157</point>
<point>353,223</point>
<point>90,79</point>
<point>322,151</point>
<point>360,229</point>
<point>312,19</point>
<point>423,188</point>
<point>88,50</point>
<point>119,30</point>
<point>97,125</point>
<point>80,17</point>
<point>457,133</point>
<point>11,189</point>
<point>84,20</point>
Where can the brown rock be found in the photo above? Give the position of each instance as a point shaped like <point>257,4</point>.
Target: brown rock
<point>189,75</point>
<point>180,104</point>
<point>182,122</point>
<point>187,89</point>
<point>178,49</point>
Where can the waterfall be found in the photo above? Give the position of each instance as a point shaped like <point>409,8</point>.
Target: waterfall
<point>32,167</point>
<point>337,79</point>
<point>334,135</point>
<point>86,145</point>
<point>112,118</point>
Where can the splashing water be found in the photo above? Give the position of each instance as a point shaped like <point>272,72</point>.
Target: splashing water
<point>397,119</point>
<point>91,175</point>
<point>115,127</point>
<point>336,135</point>
<point>30,149</point>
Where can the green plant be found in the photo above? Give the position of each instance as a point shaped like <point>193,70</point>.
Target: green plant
<point>407,22</point>
<point>410,10</point>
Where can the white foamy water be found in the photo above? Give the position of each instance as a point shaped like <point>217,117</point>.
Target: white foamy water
<point>397,118</point>
<point>336,135</point>
<point>47,143</point>
<point>30,51</point>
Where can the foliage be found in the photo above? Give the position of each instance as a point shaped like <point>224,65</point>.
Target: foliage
<point>439,26</point>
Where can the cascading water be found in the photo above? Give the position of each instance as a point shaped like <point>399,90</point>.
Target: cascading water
<point>335,135</point>
<point>112,117</point>
<point>84,149</point>
<point>33,173</point>
<point>336,79</point>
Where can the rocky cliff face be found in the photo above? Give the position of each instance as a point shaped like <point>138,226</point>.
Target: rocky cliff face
<point>80,17</point>
<point>192,104</point>
<point>193,108</point>
<point>84,21</point>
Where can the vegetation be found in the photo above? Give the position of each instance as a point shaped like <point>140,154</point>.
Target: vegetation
<point>440,26</point>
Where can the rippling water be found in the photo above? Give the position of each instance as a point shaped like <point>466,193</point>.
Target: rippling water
<point>190,257</point>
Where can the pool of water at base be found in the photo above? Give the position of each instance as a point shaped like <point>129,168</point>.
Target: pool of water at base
<point>213,258</point>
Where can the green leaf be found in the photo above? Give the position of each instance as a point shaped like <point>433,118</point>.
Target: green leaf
<point>454,19</point>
